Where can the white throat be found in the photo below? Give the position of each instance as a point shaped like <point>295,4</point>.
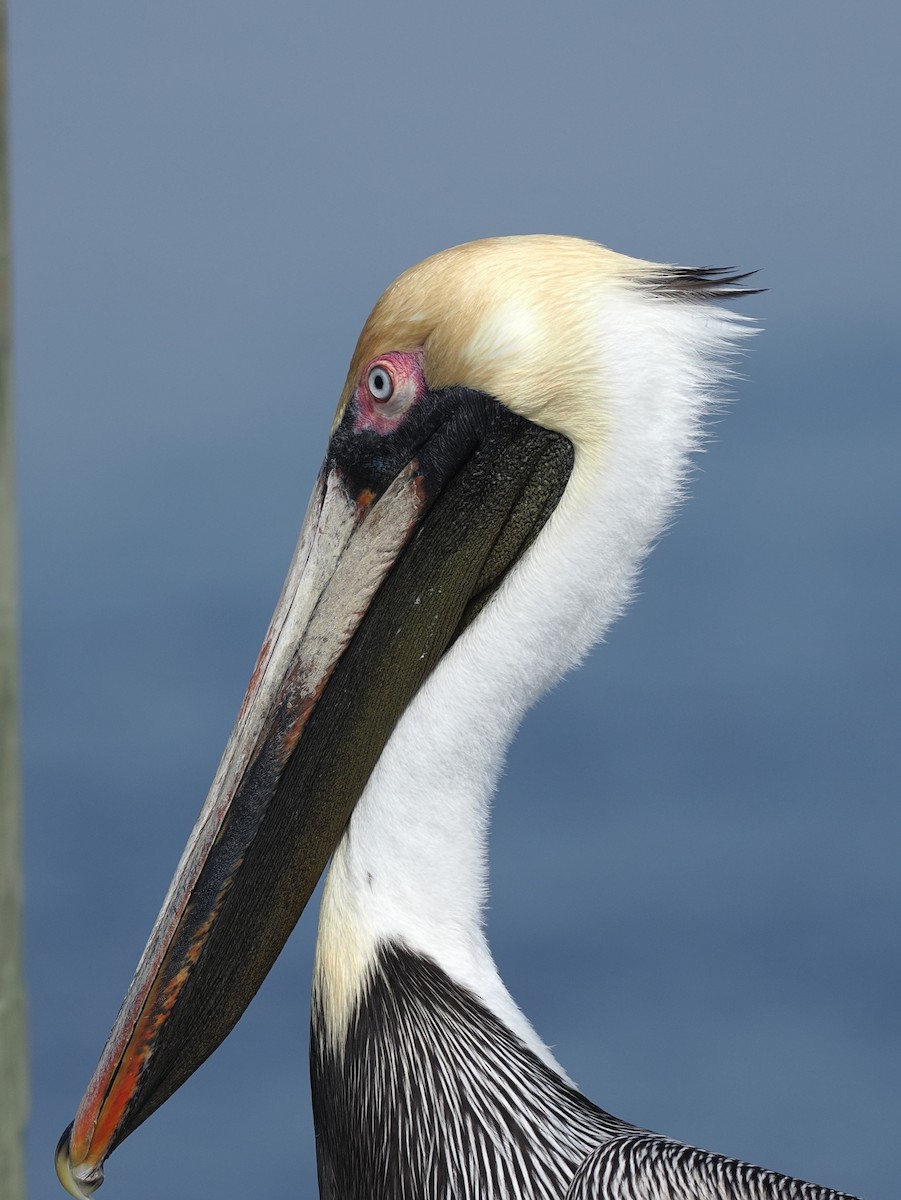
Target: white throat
<point>412,866</point>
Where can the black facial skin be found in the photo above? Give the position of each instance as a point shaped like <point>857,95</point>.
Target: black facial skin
<point>441,430</point>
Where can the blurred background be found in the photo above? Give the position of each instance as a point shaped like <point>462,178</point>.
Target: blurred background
<point>696,886</point>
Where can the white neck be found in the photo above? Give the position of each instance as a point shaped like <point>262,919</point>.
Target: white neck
<point>412,866</point>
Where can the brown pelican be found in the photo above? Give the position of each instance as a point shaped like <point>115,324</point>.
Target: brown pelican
<point>512,436</point>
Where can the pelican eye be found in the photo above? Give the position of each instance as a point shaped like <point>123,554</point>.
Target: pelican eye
<point>380,384</point>
<point>387,386</point>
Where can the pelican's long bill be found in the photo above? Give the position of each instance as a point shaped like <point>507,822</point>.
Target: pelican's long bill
<point>425,499</point>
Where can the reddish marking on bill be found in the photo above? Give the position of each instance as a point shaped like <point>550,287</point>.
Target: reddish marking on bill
<point>291,736</point>
<point>255,678</point>
<point>93,1130</point>
<point>364,503</point>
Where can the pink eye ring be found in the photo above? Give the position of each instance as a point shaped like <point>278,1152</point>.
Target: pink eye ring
<point>386,389</point>
<point>380,383</point>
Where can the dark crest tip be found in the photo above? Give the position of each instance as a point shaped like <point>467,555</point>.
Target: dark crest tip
<point>703,283</point>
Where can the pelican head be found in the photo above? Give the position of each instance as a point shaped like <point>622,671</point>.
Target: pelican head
<point>512,436</point>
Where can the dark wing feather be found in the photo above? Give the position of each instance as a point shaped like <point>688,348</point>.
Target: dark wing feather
<point>644,1166</point>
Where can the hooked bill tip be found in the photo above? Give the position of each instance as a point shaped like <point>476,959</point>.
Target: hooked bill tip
<point>78,1181</point>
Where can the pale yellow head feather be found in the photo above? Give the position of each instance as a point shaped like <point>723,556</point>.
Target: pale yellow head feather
<point>514,317</point>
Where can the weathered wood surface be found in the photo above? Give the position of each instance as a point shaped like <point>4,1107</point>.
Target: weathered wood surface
<point>13,1085</point>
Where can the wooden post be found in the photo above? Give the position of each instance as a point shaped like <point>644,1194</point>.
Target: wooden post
<point>13,1082</point>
